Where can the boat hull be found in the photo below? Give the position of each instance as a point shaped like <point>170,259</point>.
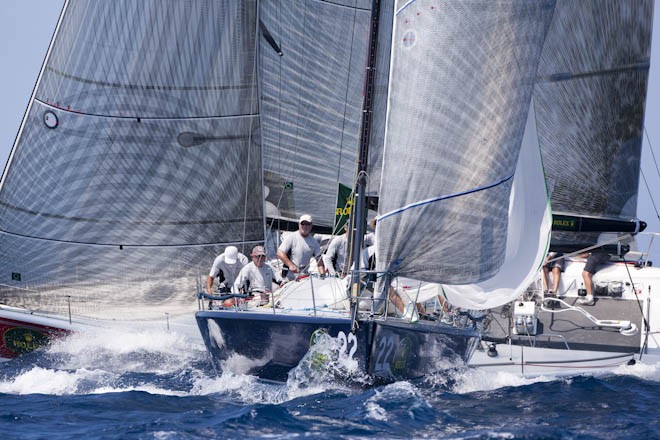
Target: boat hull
<point>540,361</point>
<point>270,345</point>
<point>22,332</point>
<point>569,338</point>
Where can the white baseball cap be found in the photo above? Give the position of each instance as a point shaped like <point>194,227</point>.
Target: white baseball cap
<point>258,250</point>
<point>231,254</point>
<point>305,218</point>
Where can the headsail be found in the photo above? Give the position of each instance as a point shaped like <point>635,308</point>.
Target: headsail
<point>379,99</point>
<point>311,101</point>
<point>454,130</point>
<point>528,234</point>
<point>590,99</point>
<point>138,159</point>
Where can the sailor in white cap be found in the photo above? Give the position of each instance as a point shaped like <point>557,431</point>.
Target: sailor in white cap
<point>226,267</point>
<point>259,274</point>
<point>297,249</point>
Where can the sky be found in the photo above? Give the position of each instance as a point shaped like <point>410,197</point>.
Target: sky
<point>26,27</point>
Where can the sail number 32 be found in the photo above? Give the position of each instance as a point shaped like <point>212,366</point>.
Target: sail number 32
<point>345,342</point>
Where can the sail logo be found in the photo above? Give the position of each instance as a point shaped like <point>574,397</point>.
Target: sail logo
<point>344,206</point>
<point>343,211</point>
<point>23,340</point>
<point>409,39</point>
<point>564,223</point>
<point>402,354</point>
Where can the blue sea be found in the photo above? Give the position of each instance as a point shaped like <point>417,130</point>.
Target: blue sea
<point>162,386</point>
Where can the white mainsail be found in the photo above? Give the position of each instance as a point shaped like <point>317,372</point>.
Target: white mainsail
<point>590,100</point>
<point>139,158</point>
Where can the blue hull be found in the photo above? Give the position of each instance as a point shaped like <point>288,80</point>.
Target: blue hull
<point>270,345</point>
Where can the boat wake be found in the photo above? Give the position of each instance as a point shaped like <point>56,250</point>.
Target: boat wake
<point>104,360</point>
<point>325,367</point>
<point>159,362</point>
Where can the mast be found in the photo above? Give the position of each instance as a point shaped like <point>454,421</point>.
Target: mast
<point>359,218</point>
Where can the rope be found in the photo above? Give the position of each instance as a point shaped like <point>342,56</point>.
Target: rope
<point>641,310</point>
<point>590,248</point>
<point>440,198</point>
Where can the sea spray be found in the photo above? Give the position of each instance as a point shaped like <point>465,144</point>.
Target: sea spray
<point>325,367</point>
<point>109,359</point>
<point>327,363</point>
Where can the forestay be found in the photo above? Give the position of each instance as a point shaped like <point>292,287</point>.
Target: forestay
<point>454,130</point>
<point>138,158</point>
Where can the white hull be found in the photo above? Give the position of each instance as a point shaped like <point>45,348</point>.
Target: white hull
<point>534,362</point>
<point>566,341</point>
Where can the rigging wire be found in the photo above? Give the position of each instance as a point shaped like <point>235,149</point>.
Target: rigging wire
<point>648,140</point>
<point>648,189</point>
<point>647,327</point>
<point>655,162</point>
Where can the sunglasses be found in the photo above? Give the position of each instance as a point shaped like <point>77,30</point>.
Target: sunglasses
<point>305,223</point>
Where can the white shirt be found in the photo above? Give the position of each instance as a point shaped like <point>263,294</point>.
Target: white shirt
<point>300,250</point>
<point>229,270</point>
<point>260,277</point>
<point>337,252</point>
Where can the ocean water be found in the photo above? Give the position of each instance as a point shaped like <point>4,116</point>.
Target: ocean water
<point>110,385</point>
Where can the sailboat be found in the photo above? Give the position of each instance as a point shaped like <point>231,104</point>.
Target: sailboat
<point>114,200</point>
<point>158,135</point>
<point>451,184</point>
<point>589,102</point>
<point>472,173</point>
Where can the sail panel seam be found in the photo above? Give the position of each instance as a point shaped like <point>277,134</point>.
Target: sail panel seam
<point>124,245</point>
<point>168,88</point>
<point>440,198</point>
<point>145,118</point>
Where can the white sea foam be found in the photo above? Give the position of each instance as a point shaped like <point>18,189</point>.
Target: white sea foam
<point>102,360</point>
<point>38,380</point>
<point>643,370</point>
<point>123,349</point>
<point>42,381</point>
<point>471,380</point>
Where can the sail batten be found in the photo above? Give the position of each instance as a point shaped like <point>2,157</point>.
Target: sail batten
<point>566,76</point>
<point>445,197</point>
